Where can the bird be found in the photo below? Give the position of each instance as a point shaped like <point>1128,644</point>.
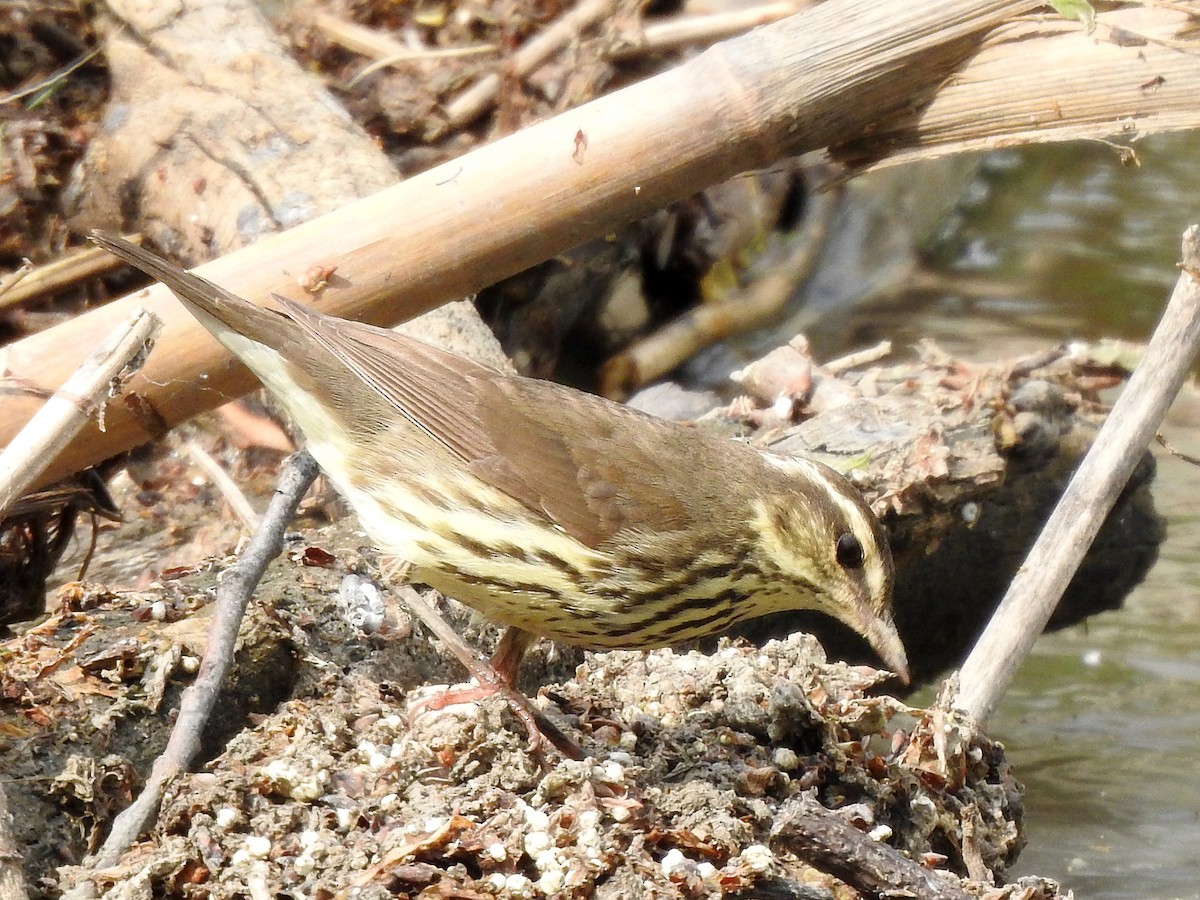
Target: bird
<point>551,511</point>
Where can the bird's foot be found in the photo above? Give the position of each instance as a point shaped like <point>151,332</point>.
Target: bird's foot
<point>496,677</point>
<point>538,725</point>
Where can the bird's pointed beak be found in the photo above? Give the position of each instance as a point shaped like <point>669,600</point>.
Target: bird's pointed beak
<point>880,632</point>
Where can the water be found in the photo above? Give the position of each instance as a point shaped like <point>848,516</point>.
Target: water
<point>1102,725</point>
<point>1102,722</point>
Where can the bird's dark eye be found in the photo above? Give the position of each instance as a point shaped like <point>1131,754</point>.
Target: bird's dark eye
<point>849,551</point>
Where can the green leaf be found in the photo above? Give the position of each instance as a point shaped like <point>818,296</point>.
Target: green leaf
<point>1080,10</point>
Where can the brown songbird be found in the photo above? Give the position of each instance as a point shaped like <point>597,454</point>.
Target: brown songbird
<point>552,511</point>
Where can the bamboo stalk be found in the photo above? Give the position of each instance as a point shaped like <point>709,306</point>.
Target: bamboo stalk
<point>801,83</point>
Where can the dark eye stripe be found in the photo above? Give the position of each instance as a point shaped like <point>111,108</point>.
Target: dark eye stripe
<point>849,551</point>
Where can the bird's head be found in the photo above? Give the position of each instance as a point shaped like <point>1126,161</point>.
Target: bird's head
<point>819,538</point>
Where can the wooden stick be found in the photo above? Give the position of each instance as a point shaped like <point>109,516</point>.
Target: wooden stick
<point>743,309</point>
<point>669,33</point>
<point>10,281</point>
<point>1099,480</point>
<point>74,404</point>
<point>71,268</point>
<point>234,590</point>
<point>224,484</point>
<point>824,76</point>
<point>829,843</point>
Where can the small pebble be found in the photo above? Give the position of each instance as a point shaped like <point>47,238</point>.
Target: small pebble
<point>258,846</point>
<point>613,773</point>
<point>536,842</point>
<point>536,819</point>
<point>518,886</point>
<point>551,882</point>
<point>758,857</point>
<point>674,862</point>
<point>786,758</point>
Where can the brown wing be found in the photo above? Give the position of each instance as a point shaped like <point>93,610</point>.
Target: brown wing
<point>591,466</point>
<point>431,388</point>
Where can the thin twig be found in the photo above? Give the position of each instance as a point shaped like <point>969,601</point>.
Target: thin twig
<point>755,305</point>
<point>402,57</point>
<point>384,49</point>
<point>858,358</point>
<point>71,268</point>
<point>68,409</point>
<point>11,280</point>
<point>228,488</point>
<point>706,28</point>
<point>53,77</point>
<point>469,105</point>
<point>1178,454</point>
<point>1091,494</point>
<point>233,595</point>
<point>656,37</point>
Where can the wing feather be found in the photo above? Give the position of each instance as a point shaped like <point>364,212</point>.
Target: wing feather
<point>432,388</point>
<point>592,467</point>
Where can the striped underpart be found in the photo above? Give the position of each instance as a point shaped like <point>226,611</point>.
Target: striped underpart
<point>518,571</point>
<point>479,546</point>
